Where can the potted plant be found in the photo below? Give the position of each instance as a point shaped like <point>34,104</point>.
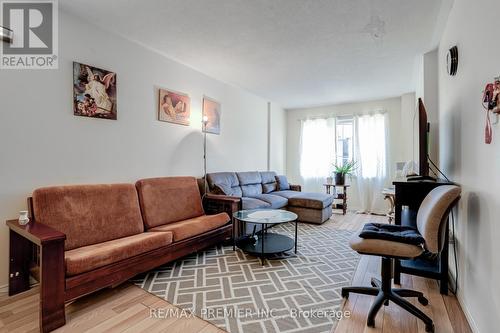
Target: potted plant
<point>340,171</point>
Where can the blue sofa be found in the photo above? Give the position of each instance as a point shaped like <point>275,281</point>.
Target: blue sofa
<point>267,190</point>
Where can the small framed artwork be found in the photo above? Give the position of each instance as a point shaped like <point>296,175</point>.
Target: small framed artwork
<point>212,110</point>
<point>94,92</point>
<point>174,107</point>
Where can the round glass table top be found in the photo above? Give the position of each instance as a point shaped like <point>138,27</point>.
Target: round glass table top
<point>265,216</point>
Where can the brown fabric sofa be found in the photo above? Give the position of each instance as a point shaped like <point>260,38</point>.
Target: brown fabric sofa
<point>267,190</point>
<point>173,205</point>
<point>94,236</point>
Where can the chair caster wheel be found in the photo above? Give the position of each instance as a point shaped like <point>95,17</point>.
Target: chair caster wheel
<point>344,294</point>
<point>373,284</point>
<point>386,302</point>
<point>429,328</point>
<point>422,300</point>
<point>370,323</point>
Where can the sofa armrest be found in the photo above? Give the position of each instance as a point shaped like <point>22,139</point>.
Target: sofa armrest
<point>297,188</point>
<point>214,204</point>
<point>36,233</point>
<point>52,269</point>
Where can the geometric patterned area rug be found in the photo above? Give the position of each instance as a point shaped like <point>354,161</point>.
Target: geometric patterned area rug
<point>235,292</point>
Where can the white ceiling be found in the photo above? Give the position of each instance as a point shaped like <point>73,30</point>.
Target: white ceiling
<point>294,52</point>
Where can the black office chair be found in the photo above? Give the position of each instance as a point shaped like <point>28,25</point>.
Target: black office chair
<point>432,217</point>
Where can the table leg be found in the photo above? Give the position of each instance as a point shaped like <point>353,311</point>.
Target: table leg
<point>262,240</point>
<point>296,229</point>
<point>234,236</point>
<point>398,209</point>
<point>443,259</point>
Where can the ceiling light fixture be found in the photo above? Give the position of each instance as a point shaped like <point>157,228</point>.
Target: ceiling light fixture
<point>376,28</point>
<point>6,34</point>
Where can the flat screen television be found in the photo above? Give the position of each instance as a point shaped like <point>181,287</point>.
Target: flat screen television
<point>423,145</point>
<point>423,140</point>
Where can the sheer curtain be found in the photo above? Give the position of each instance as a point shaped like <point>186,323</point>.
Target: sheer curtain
<point>372,156</point>
<point>317,152</point>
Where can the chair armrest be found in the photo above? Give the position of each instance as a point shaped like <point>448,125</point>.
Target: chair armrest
<point>297,188</point>
<point>37,233</point>
<point>214,204</point>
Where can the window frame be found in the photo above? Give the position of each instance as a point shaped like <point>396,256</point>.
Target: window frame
<point>342,120</point>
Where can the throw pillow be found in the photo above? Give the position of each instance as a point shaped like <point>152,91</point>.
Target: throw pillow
<point>282,183</point>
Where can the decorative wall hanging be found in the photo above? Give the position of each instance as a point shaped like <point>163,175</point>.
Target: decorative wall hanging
<point>212,112</point>
<point>94,92</point>
<point>6,35</point>
<point>491,103</point>
<point>452,61</point>
<point>174,107</point>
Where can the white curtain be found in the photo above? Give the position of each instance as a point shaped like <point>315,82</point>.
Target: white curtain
<point>371,153</point>
<point>317,152</point>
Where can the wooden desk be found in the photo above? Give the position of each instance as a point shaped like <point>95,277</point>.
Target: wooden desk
<point>411,195</point>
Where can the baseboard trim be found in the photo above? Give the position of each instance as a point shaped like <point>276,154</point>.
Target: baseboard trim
<point>467,314</point>
<point>4,289</point>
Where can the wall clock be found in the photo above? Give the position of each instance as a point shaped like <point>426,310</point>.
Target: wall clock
<point>452,61</point>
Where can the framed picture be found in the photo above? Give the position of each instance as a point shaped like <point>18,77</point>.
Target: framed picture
<point>212,110</point>
<point>94,92</point>
<point>174,107</point>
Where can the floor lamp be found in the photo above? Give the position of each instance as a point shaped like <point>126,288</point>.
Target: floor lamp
<point>204,128</point>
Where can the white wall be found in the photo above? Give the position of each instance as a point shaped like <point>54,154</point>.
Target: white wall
<point>391,105</point>
<point>277,144</point>
<point>408,140</point>
<point>42,143</point>
<point>468,160</point>
<point>431,101</point>
<point>427,88</point>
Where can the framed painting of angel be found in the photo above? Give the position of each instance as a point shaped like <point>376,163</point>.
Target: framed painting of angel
<point>94,92</point>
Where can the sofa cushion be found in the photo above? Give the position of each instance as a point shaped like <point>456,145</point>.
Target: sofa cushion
<point>195,226</point>
<point>224,183</point>
<point>275,201</point>
<point>252,203</point>
<point>311,200</point>
<point>88,258</point>
<point>283,184</point>
<point>287,193</point>
<point>269,183</point>
<point>250,183</point>
<point>89,214</point>
<point>169,199</point>
<point>384,247</point>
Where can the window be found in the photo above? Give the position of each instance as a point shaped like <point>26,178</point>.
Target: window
<point>317,147</point>
<point>344,141</point>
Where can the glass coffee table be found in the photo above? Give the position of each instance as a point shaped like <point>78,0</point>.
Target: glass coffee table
<point>264,243</point>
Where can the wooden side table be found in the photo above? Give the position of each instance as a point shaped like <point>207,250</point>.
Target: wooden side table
<point>340,199</point>
<point>328,188</point>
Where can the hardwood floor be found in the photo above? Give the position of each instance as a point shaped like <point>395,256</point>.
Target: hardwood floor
<point>127,307</point>
<point>123,309</point>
